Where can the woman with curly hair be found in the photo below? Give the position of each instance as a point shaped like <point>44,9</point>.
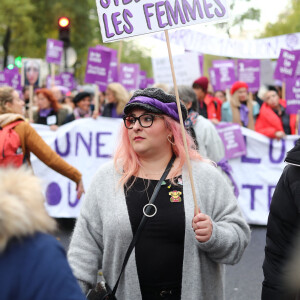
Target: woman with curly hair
<point>49,110</point>
<point>116,99</point>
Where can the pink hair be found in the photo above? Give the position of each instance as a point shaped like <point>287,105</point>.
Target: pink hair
<point>130,161</point>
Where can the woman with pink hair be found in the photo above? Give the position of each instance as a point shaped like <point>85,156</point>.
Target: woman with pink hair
<point>177,255</point>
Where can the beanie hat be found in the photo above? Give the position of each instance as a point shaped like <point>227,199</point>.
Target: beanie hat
<point>201,82</point>
<point>80,96</point>
<point>156,101</point>
<point>238,85</point>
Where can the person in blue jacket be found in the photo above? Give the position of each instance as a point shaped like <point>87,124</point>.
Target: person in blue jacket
<point>33,264</point>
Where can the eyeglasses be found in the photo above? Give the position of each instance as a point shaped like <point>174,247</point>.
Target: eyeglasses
<point>145,120</point>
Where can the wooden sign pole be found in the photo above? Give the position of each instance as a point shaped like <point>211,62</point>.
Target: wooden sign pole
<point>196,208</point>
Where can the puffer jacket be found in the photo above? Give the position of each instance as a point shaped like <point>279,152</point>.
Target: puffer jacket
<point>33,264</point>
<point>283,225</point>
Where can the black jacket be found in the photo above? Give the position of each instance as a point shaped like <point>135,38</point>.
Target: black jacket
<point>283,225</point>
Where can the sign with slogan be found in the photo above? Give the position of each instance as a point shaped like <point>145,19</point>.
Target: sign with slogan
<point>87,144</point>
<point>67,80</point>
<point>187,69</point>
<point>121,19</point>
<point>292,95</point>
<point>222,75</point>
<point>4,80</point>
<point>249,72</point>
<point>286,64</point>
<point>97,67</point>
<point>54,51</point>
<point>150,82</point>
<point>49,83</point>
<point>130,76</point>
<point>233,140</point>
<point>143,80</point>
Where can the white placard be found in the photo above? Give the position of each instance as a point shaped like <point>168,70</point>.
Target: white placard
<point>121,19</point>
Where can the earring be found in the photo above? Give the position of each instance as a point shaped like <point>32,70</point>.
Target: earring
<point>171,140</point>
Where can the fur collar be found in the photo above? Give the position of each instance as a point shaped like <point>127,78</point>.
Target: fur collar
<point>9,118</point>
<point>22,210</point>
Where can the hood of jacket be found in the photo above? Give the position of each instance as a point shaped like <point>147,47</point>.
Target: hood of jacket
<point>293,156</point>
<point>9,118</point>
<point>22,210</point>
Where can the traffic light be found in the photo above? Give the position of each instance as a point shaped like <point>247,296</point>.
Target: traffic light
<point>64,30</point>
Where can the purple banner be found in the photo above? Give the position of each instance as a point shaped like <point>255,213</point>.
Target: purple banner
<point>54,51</point>
<point>233,140</point>
<point>249,72</point>
<point>286,64</point>
<point>97,66</point>
<point>143,80</point>
<point>113,67</point>
<point>292,95</point>
<point>222,78</point>
<point>130,76</point>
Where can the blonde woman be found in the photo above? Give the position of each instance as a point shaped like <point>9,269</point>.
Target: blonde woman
<point>116,99</point>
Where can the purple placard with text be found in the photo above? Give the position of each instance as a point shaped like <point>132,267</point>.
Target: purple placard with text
<point>222,78</point>
<point>223,63</point>
<point>54,51</point>
<point>67,80</point>
<point>4,80</point>
<point>97,67</point>
<point>130,76</point>
<point>249,72</point>
<point>49,83</point>
<point>150,82</point>
<point>292,95</point>
<point>233,140</point>
<point>113,67</point>
<point>143,80</point>
<point>15,82</point>
<point>286,64</point>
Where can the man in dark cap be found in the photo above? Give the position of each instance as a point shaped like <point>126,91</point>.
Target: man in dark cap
<point>82,108</point>
<point>209,106</point>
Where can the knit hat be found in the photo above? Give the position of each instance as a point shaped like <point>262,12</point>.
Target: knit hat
<point>201,82</point>
<point>80,96</point>
<point>238,85</point>
<point>156,101</point>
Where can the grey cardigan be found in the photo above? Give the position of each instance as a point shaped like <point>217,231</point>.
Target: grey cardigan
<point>103,232</point>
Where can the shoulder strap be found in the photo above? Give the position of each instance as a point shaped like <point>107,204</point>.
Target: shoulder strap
<point>143,221</point>
<point>12,125</point>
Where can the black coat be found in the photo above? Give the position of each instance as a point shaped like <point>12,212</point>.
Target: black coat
<point>282,228</point>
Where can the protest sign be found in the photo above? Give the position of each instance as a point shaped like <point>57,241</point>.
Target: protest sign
<point>222,78</point>
<point>94,141</point>
<point>97,67</point>
<point>286,64</point>
<point>50,83</point>
<point>54,51</point>
<point>130,76</point>
<point>3,79</point>
<point>123,19</point>
<point>67,80</point>
<point>233,140</point>
<point>187,69</point>
<point>150,82</point>
<point>292,94</point>
<point>249,72</point>
<point>31,72</point>
<point>143,80</point>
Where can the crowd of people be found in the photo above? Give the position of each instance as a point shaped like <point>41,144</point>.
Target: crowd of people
<point>145,191</point>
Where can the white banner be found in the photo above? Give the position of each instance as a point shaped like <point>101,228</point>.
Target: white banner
<point>88,143</point>
<point>266,48</point>
<point>123,19</point>
<point>187,68</point>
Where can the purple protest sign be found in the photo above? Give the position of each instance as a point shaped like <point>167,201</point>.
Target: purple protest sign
<point>286,64</point>
<point>233,140</point>
<point>113,67</point>
<point>143,80</point>
<point>222,78</point>
<point>201,63</point>
<point>67,80</point>
<point>223,63</point>
<point>54,51</point>
<point>130,76</point>
<point>49,83</point>
<point>15,82</point>
<point>97,67</point>
<point>249,72</point>
<point>292,95</point>
<point>3,79</point>
<point>150,82</point>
